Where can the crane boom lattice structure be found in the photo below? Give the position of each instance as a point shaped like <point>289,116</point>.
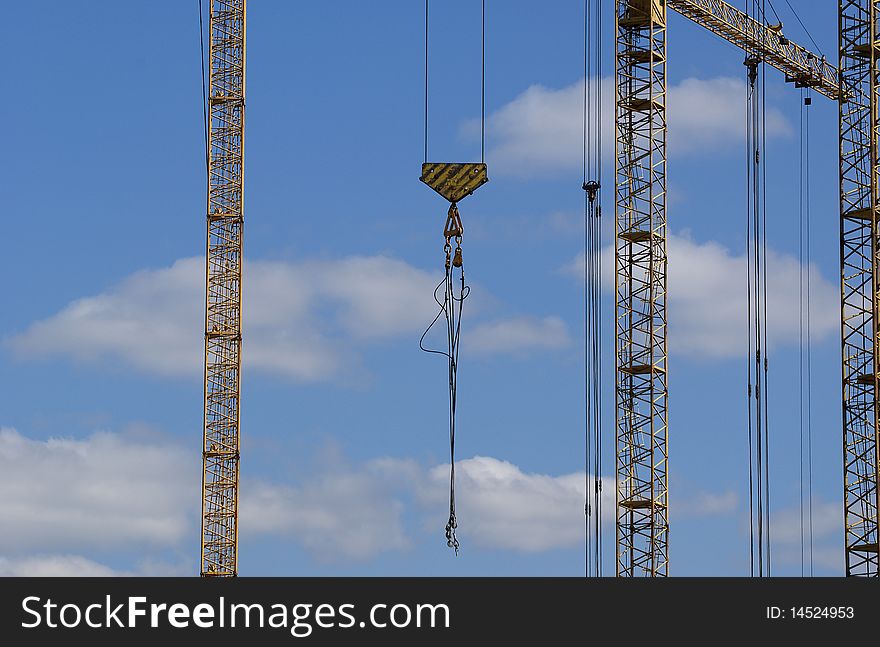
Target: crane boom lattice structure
<point>640,253</point>
<point>225,219</point>
<point>859,272</point>
<point>799,64</point>
<point>641,261</point>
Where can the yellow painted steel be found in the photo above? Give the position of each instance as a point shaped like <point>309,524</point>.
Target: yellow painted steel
<point>800,66</point>
<point>640,259</point>
<point>641,464</point>
<point>225,222</point>
<point>454,181</point>
<point>860,271</point>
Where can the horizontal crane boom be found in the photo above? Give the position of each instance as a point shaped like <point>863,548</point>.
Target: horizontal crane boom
<point>799,64</point>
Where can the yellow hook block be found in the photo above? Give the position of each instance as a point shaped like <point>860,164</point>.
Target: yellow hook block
<point>454,181</point>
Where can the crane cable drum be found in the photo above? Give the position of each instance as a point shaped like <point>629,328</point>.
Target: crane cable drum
<point>454,181</point>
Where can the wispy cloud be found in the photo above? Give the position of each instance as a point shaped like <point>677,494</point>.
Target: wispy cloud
<point>55,566</point>
<point>153,319</point>
<point>110,493</point>
<point>305,321</point>
<point>501,506</point>
<point>827,534</point>
<point>519,335</point>
<point>708,504</point>
<point>343,514</point>
<point>540,132</point>
<point>708,298</point>
<point>106,490</point>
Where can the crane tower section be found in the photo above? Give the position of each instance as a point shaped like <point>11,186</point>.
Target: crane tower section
<point>641,261</point>
<point>640,264</point>
<point>860,251</point>
<point>225,219</point>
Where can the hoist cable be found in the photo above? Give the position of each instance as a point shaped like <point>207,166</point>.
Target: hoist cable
<point>756,229</point>
<point>587,414</point>
<point>483,84</point>
<point>809,341</point>
<point>756,291</point>
<point>748,245</point>
<point>801,330</point>
<point>775,13</point>
<point>587,97</point>
<point>807,31</point>
<point>797,17</point>
<point>592,137</point>
<point>756,325</point>
<point>766,392</point>
<point>756,241</point>
<point>597,372</point>
<point>426,81</point>
<point>806,442</point>
<point>482,81</point>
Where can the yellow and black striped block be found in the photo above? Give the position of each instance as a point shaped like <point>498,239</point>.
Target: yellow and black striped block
<point>454,181</point>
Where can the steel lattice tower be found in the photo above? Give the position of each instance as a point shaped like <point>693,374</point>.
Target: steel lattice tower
<point>220,450</point>
<point>859,244</point>
<point>640,259</point>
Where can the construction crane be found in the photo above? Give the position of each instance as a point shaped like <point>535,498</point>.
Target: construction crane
<point>225,219</point>
<point>641,234</point>
<point>642,528</point>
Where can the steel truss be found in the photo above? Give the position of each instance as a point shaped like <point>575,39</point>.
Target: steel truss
<point>859,272</point>
<point>220,450</point>
<point>640,260</point>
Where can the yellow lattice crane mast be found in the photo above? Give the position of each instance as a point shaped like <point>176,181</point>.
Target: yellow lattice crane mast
<point>641,260</point>
<point>859,257</point>
<point>225,219</point>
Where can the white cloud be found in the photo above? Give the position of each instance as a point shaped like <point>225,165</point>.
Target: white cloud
<point>500,506</point>
<point>343,514</point>
<point>304,321</point>
<point>110,491</point>
<point>827,521</point>
<point>67,565</point>
<point>827,536</point>
<point>113,492</point>
<point>518,335</point>
<point>708,298</point>
<point>357,513</point>
<point>103,490</point>
<point>153,319</point>
<point>708,504</point>
<point>541,130</point>
<point>55,566</point>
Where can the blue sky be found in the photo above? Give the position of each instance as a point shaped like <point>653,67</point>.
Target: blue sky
<point>343,418</point>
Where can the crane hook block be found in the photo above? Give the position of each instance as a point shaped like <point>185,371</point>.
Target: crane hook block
<point>453,227</point>
<point>454,181</point>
